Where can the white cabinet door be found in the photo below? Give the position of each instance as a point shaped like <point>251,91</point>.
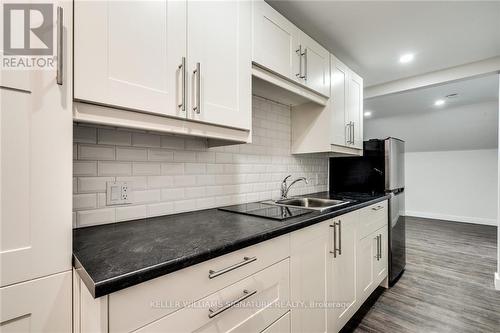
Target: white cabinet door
<point>40,305</point>
<point>342,269</point>
<point>315,65</point>
<point>309,261</point>
<point>355,109</point>
<point>365,266</point>
<point>36,172</point>
<point>338,101</point>
<point>127,54</point>
<point>219,35</point>
<point>275,41</point>
<point>380,264</point>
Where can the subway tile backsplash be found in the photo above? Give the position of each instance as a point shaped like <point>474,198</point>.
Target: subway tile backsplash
<point>173,174</point>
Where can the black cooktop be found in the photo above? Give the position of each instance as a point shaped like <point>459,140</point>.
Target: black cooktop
<point>266,210</point>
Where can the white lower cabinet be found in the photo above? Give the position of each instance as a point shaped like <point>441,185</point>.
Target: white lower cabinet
<point>311,280</point>
<point>364,266</point>
<point>342,271</point>
<point>310,258</point>
<point>335,266</point>
<point>250,305</point>
<point>380,266</point>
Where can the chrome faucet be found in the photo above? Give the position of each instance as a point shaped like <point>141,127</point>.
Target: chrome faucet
<point>285,188</point>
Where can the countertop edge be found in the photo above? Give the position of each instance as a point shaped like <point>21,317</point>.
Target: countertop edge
<point>111,285</point>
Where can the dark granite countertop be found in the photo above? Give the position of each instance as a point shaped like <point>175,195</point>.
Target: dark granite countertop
<point>115,256</point>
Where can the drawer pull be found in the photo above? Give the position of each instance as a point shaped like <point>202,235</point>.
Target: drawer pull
<point>217,311</point>
<point>377,208</point>
<point>246,260</point>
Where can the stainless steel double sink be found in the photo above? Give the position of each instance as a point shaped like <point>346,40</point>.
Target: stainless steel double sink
<point>309,203</point>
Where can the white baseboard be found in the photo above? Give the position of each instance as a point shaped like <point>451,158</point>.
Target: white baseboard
<point>497,281</point>
<point>454,218</point>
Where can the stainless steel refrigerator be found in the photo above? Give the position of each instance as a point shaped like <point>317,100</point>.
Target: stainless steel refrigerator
<point>379,170</point>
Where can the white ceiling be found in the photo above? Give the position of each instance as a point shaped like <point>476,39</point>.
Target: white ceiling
<point>470,91</point>
<point>370,36</point>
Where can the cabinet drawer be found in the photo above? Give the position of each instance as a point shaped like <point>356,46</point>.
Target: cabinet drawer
<point>372,218</point>
<point>249,305</point>
<point>137,306</point>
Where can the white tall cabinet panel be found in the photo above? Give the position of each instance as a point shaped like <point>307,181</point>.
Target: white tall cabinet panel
<point>128,53</point>
<point>275,41</point>
<point>219,45</point>
<point>36,143</point>
<point>36,172</point>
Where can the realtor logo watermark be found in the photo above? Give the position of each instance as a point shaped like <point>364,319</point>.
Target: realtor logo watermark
<point>28,36</point>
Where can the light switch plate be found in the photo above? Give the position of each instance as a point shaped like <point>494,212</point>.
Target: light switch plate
<point>118,193</point>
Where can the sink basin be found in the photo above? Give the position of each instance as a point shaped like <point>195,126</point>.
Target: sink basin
<point>310,203</point>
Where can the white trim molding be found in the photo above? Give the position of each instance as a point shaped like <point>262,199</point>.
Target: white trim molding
<point>453,218</point>
<point>482,67</point>
<point>497,281</point>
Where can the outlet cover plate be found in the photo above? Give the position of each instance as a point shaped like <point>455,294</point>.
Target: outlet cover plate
<point>118,193</point>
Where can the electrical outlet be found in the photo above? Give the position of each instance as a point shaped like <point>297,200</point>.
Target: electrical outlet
<point>118,193</point>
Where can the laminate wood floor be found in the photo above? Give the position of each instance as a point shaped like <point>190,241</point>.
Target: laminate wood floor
<point>447,286</point>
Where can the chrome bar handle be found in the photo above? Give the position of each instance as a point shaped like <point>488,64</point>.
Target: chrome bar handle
<point>379,254</point>
<point>353,133</point>
<point>334,252</point>
<point>305,64</point>
<point>246,260</point>
<point>380,245</point>
<point>339,223</point>
<point>182,67</point>
<point>376,255</point>
<point>348,133</point>
<point>60,37</point>
<point>377,208</point>
<point>299,53</point>
<point>212,312</point>
<point>197,73</point>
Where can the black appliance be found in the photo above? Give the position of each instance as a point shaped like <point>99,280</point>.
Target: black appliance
<point>379,170</point>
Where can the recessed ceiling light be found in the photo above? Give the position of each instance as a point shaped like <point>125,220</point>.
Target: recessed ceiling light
<point>368,113</point>
<point>439,102</point>
<point>406,58</point>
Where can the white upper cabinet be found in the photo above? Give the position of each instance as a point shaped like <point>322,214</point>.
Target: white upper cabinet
<point>219,62</point>
<point>189,60</point>
<point>133,66</point>
<point>314,65</point>
<point>275,41</point>
<point>280,47</point>
<point>339,88</point>
<point>346,106</point>
<point>355,109</point>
